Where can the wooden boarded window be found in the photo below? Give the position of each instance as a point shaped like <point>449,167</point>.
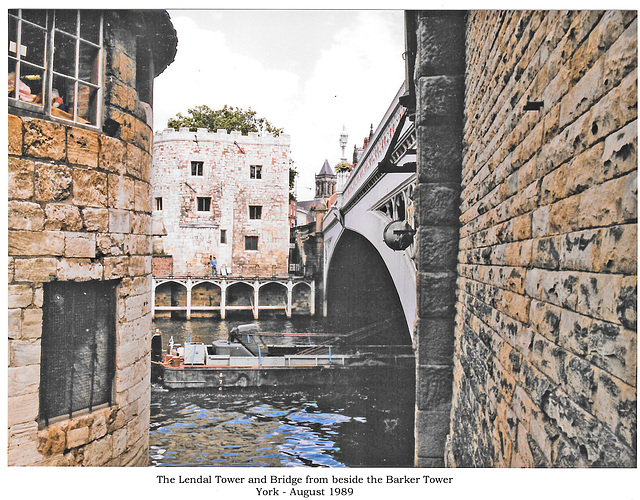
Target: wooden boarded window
<point>78,347</point>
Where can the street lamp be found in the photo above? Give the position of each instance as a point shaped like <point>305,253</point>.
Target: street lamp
<point>343,142</point>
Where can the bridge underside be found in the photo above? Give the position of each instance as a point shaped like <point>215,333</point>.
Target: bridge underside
<point>360,292</point>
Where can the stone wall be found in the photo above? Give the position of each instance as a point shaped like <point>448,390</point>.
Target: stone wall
<point>439,83</point>
<point>79,210</point>
<point>546,342</point>
<point>192,236</point>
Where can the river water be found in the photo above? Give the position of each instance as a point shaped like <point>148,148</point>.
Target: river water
<point>367,423</point>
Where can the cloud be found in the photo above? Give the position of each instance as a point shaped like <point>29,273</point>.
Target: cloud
<point>350,67</point>
<point>208,71</point>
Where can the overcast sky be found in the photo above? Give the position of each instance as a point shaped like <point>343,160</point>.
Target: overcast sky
<point>309,72</point>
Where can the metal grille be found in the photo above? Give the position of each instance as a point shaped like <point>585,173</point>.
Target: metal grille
<point>78,347</point>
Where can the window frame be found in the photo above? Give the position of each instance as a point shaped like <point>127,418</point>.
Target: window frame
<point>197,166</point>
<point>255,172</point>
<point>223,236</point>
<point>252,239</point>
<point>78,318</point>
<point>255,212</point>
<point>206,201</point>
<point>45,109</point>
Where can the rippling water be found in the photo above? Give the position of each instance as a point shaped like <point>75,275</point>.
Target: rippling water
<point>367,423</point>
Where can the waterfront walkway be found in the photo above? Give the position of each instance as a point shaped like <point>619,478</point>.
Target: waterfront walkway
<point>252,296</point>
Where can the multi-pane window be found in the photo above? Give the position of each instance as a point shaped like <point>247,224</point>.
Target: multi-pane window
<point>223,236</point>
<point>255,171</point>
<point>159,203</point>
<point>78,347</point>
<point>197,167</point>
<point>250,242</point>
<point>204,204</point>
<point>55,63</point>
<point>255,212</point>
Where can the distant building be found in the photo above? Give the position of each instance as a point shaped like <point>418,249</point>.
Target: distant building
<point>79,295</point>
<point>220,194</point>
<point>325,181</point>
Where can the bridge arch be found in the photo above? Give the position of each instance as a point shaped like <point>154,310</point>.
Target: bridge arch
<point>361,291</point>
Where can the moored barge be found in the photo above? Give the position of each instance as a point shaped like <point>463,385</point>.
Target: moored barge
<point>249,358</point>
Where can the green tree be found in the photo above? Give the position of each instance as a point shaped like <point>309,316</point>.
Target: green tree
<point>228,118</point>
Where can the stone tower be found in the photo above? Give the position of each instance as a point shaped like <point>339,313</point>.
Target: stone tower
<point>325,182</point>
<point>79,294</point>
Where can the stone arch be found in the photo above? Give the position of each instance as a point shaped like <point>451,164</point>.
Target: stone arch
<point>272,294</point>
<point>239,294</point>
<point>171,293</point>
<point>360,291</point>
<point>301,297</point>
<point>205,293</point>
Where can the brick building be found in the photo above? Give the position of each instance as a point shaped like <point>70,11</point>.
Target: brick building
<point>526,206</point>
<point>221,194</point>
<point>79,164</point>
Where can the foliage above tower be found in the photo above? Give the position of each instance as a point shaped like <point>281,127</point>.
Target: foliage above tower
<point>228,118</point>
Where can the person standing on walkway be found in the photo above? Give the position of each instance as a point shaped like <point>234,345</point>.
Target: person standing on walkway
<point>214,265</point>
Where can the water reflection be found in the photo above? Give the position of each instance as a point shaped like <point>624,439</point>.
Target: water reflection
<point>367,423</point>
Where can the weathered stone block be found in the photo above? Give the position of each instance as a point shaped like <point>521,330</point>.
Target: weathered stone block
<point>95,219</point>
<point>60,216</point>
<point>82,147</point>
<point>23,380</point>
<point>24,408</point>
<point>25,215</point>
<point>89,188</point>
<point>441,45</point>
<point>52,182</point>
<point>44,139</point>
<point>80,245</point>
<point>435,338</point>
<point>23,353</point>
<point>21,186</point>
<point>119,221</point>
<point>52,440</point>
<point>35,269</point>
<point>14,135</point>
<point>121,192</point>
<point>36,243</point>
<point>31,324</point>
<point>19,296</point>
<point>436,294</point>
<point>438,248</point>
<point>77,437</point>
<point>79,269</point>
<point>112,154</point>
<point>432,428</point>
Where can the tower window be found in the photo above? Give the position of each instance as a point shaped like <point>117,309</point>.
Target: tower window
<point>73,73</point>
<point>223,236</point>
<point>159,203</point>
<point>197,168</point>
<point>204,204</point>
<point>255,212</point>
<point>255,171</point>
<point>250,242</point>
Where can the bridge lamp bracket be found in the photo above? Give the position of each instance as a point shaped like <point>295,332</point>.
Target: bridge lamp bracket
<point>398,235</point>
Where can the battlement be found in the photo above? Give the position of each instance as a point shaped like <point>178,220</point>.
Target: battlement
<point>220,135</point>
